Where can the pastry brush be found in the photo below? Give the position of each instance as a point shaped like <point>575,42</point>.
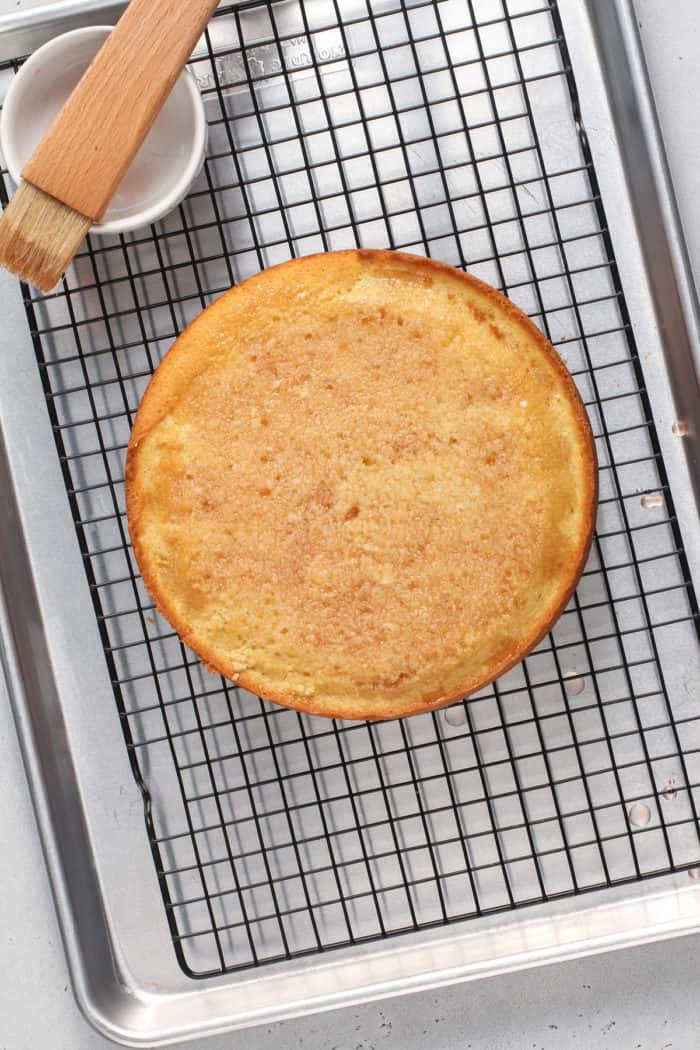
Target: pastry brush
<point>73,174</point>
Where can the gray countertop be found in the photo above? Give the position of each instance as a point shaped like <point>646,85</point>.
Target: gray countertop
<point>640,999</point>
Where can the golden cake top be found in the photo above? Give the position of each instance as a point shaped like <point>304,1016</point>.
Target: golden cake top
<point>361,484</point>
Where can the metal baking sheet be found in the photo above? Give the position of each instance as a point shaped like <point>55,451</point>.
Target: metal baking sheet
<point>218,862</point>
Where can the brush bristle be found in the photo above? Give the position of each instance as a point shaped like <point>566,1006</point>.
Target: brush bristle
<point>39,236</point>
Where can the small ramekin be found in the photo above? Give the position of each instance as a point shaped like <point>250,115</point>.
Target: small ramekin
<point>167,164</point>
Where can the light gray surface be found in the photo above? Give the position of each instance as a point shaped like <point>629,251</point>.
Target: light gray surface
<point>644,998</point>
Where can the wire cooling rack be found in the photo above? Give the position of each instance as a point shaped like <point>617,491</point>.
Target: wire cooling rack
<point>451,129</point>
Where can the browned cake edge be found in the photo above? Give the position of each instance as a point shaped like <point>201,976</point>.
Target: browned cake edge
<point>154,406</point>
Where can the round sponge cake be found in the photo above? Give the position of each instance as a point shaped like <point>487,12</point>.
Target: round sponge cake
<point>361,484</point>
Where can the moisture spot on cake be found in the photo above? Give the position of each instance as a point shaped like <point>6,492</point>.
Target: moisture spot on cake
<point>477,313</point>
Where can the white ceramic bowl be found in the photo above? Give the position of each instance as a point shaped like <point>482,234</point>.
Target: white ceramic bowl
<point>165,167</point>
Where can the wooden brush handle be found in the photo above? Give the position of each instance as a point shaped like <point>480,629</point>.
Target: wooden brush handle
<point>86,152</point>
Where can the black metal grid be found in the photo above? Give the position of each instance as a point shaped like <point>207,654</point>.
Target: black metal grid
<point>450,129</point>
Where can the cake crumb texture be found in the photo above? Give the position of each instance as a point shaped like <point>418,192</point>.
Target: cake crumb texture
<point>361,484</point>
